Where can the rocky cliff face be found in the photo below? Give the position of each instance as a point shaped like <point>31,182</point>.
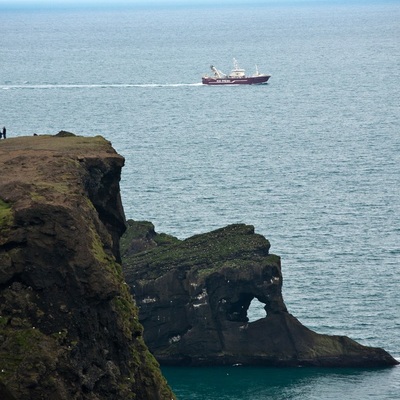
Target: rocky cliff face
<point>68,326</point>
<point>193,297</point>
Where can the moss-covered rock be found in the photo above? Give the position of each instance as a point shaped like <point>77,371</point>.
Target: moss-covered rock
<point>69,328</point>
<point>6,215</point>
<point>193,297</point>
<point>141,236</point>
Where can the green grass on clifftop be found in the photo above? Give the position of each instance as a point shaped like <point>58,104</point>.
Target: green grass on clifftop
<point>6,214</point>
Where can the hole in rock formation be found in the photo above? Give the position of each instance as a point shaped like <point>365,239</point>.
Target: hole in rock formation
<point>256,310</point>
<point>246,309</point>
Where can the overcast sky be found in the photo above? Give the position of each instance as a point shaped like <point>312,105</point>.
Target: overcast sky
<point>113,3</point>
<point>119,2</point>
<point>4,4</point>
<point>58,3</point>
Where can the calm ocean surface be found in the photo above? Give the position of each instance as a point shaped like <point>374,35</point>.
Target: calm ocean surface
<point>312,159</point>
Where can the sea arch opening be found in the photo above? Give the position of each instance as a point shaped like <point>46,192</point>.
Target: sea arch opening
<point>247,308</point>
<point>256,310</point>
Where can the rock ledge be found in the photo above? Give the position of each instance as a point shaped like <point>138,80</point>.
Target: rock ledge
<point>193,297</point>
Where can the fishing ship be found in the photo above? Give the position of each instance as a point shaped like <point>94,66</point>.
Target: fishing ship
<point>236,77</point>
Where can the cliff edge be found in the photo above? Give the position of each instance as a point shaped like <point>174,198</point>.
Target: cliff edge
<point>69,328</point>
<point>194,295</point>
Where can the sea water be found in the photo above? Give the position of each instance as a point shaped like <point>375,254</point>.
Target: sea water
<point>312,159</point>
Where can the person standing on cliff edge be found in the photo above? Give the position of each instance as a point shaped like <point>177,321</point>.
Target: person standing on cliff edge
<point>4,132</point>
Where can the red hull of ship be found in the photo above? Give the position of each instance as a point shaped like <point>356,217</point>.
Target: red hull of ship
<point>250,80</point>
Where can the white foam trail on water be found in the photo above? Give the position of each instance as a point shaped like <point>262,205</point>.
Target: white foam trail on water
<point>96,86</point>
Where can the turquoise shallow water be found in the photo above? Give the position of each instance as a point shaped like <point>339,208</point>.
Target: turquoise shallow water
<point>238,383</point>
<point>312,159</point>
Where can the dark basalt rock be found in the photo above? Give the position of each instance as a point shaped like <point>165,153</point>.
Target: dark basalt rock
<point>69,328</point>
<point>193,297</point>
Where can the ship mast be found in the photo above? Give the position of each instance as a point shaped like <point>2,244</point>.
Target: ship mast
<point>217,72</point>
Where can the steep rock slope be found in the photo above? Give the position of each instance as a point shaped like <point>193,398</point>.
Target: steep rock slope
<point>69,328</point>
<point>193,297</point>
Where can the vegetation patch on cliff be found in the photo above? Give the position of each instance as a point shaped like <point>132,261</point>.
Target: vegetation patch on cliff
<point>6,214</point>
<point>237,244</point>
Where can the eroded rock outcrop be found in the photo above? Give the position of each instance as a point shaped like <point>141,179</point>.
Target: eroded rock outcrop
<point>69,328</point>
<point>193,297</point>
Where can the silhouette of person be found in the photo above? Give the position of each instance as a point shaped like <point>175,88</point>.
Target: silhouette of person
<point>4,132</point>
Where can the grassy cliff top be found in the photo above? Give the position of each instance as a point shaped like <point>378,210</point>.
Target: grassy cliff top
<point>48,145</point>
<point>46,169</point>
<point>59,142</point>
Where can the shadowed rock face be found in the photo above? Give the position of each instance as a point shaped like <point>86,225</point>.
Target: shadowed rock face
<point>68,326</point>
<point>193,297</point>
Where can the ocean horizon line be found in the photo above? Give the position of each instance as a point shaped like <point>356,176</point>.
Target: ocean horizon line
<point>75,5</point>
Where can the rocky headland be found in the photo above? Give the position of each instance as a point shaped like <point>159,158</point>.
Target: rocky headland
<point>193,297</point>
<point>69,327</point>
